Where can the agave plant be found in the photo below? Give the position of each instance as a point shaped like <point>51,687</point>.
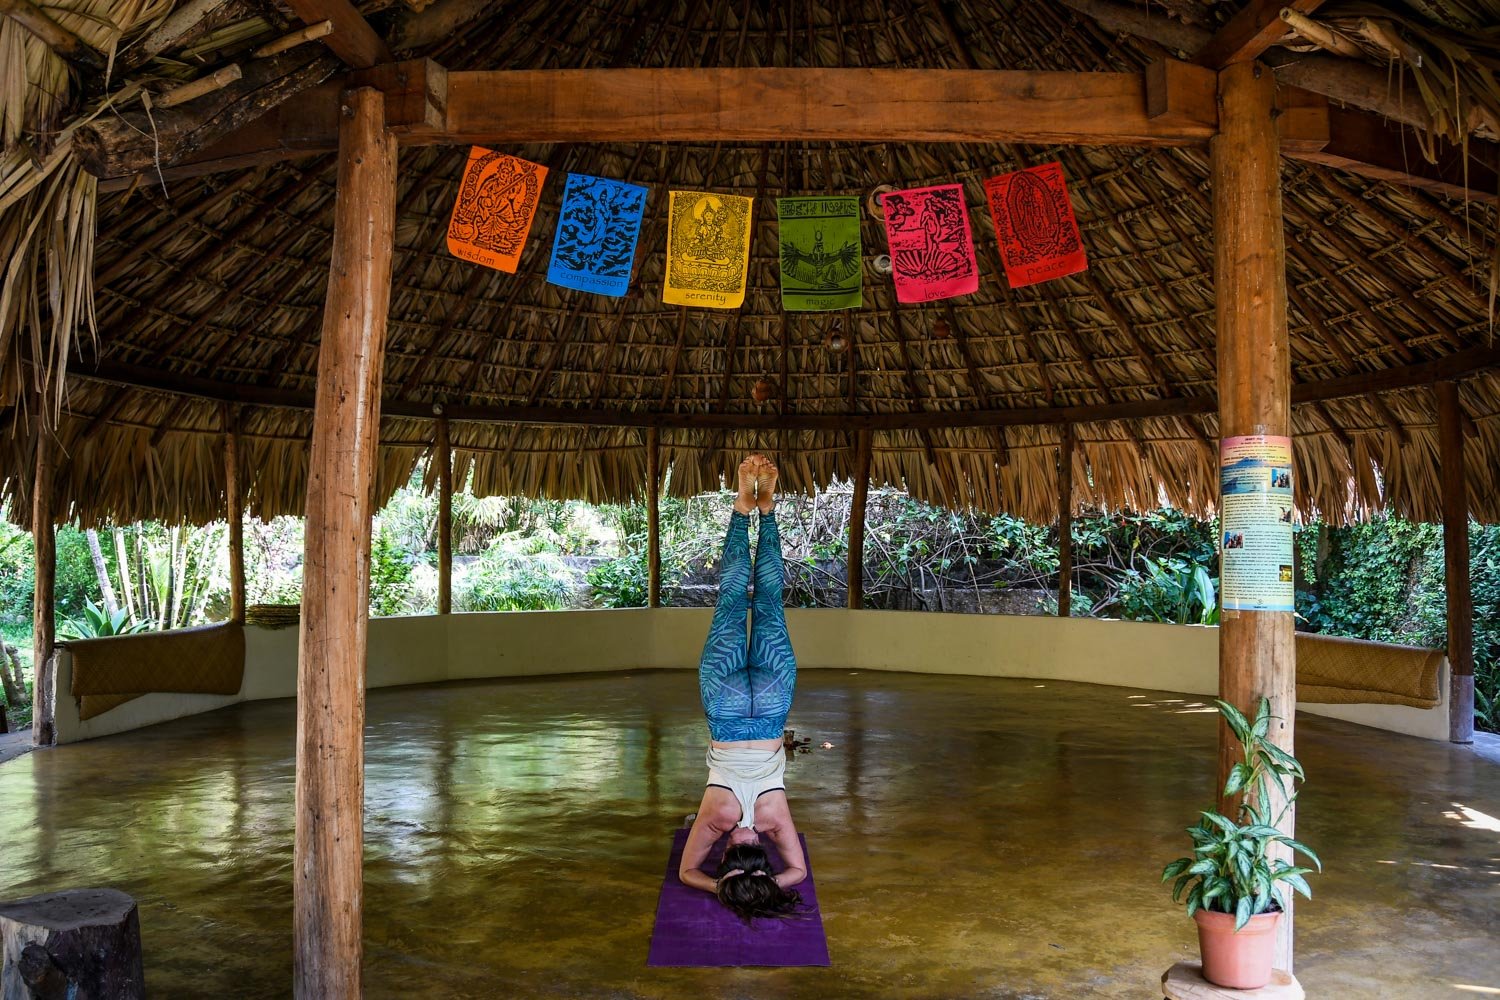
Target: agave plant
<point>1231,869</point>
<point>96,623</point>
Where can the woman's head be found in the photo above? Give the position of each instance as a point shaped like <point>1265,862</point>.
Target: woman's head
<point>746,884</point>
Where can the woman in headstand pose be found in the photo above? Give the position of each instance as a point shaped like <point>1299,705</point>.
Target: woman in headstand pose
<point>747,692</point>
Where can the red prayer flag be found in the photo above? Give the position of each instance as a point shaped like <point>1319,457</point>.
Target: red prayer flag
<point>1035,225</point>
<point>932,253</point>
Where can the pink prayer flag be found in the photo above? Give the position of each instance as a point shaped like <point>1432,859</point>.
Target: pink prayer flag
<point>932,251</point>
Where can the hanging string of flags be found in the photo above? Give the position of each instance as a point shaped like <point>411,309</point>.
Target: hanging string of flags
<point>930,240</point>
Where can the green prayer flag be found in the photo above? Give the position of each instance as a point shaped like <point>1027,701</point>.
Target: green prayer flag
<point>820,253</point>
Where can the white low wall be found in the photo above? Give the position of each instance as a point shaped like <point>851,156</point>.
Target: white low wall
<point>430,648</point>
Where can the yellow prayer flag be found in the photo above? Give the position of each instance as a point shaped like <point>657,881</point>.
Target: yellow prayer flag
<point>708,249</point>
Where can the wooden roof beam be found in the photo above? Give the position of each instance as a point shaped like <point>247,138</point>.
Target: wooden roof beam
<point>1463,364</point>
<point>1251,30</point>
<point>352,39</point>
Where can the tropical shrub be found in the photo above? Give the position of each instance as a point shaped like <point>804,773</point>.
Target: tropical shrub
<point>503,579</point>
<point>96,623</point>
<point>622,582</point>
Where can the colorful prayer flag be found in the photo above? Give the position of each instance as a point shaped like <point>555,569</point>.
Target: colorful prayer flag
<point>708,249</point>
<point>597,230</point>
<point>1035,225</point>
<point>932,251</point>
<point>496,202</point>
<point>820,253</point>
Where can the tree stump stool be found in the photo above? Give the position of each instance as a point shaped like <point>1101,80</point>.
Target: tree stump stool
<point>1184,981</point>
<point>79,944</point>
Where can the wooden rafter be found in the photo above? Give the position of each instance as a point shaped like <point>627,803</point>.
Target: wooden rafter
<point>352,38</point>
<point>1251,30</point>
<point>1463,364</point>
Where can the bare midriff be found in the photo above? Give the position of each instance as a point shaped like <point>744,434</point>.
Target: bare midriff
<point>772,744</point>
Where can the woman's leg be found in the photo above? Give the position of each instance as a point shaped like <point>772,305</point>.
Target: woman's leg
<point>772,666</point>
<point>722,679</point>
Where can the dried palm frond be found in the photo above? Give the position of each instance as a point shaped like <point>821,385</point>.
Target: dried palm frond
<point>47,200</point>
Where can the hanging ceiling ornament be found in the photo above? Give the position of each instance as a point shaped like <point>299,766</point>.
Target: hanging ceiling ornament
<point>940,329</point>
<point>882,264</point>
<point>834,341</point>
<point>875,201</point>
<point>763,390</point>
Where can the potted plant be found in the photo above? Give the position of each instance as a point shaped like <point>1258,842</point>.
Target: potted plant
<point>1235,890</point>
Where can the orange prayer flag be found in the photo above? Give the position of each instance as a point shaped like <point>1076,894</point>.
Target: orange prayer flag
<point>496,202</point>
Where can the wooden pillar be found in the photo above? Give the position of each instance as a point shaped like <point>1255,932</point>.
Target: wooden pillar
<point>443,455</point>
<point>1065,523</point>
<point>856,570</point>
<point>44,598</point>
<point>1456,563</point>
<point>653,518</point>
<point>234,514</point>
<point>327,876</point>
<point>1256,655</point>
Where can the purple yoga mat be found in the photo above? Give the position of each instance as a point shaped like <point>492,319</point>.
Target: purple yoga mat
<point>693,928</point>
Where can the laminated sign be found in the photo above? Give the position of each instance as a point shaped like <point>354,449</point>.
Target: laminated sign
<point>1034,222</point>
<point>1255,516</point>
<point>496,203</point>
<point>820,253</point>
<point>597,229</point>
<point>708,249</point>
<point>932,252</point>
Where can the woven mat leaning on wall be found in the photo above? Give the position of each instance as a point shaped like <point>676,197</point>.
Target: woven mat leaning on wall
<point>109,672</point>
<point>1332,670</point>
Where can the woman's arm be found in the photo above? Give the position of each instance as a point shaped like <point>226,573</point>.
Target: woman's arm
<point>701,839</point>
<point>784,836</point>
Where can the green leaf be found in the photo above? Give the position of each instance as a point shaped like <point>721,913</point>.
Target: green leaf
<point>1175,869</point>
<point>1296,881</point>
<point>1262,719</point>
<point>1241,912</point>
<point>1236,720</point>
<point>1304,850</point>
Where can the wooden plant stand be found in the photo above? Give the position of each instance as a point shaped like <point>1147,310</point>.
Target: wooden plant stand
<point>81,944</point>
<point>1184,981</point>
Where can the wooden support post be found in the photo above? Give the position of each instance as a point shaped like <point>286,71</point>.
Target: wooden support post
<point>653,518</point>
<point>44,597</point>
<point>1256,654</point>
<point>444,458</point>
<point>327,880</point>
<point>234,514</point>
<point>856,570</point>
<point>1456,563</point>
<point>1065,523</point>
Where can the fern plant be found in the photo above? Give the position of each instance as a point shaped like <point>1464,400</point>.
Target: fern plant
<point>1231,869</point>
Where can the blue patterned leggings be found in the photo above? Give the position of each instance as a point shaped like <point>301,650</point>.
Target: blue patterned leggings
<point>748,698</point>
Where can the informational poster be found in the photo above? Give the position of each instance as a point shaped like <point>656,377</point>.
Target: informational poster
<point>820,253</point>
<point>597,229</point>
<point>708,249</point>
<point>932,251</point>
<point>1255,486</point>
<point>497,200</point>
<point>1035,225</point>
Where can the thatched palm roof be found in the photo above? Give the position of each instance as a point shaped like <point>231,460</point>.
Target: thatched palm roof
<point>214,286</point>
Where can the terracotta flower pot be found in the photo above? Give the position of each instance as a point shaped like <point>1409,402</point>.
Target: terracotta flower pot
<point>1240,961</point>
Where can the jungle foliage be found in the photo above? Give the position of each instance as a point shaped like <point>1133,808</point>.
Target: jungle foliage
<point>1382,580</point>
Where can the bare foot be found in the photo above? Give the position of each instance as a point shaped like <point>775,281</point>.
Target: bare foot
<point>744,501</point>
<point>766,484</point>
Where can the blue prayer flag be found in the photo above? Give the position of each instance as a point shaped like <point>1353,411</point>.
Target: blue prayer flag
<point>597,231</point>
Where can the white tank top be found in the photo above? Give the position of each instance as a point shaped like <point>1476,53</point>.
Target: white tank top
<point>748,772</point>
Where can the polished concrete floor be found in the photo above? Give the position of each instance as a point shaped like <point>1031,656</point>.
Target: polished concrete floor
<point>972,838</point>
